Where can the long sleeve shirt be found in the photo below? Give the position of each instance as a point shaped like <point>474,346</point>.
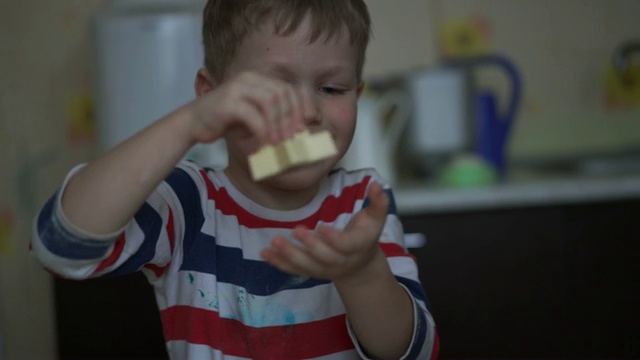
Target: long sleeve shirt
<point>198,241</point>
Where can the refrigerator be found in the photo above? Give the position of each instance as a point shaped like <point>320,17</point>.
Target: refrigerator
<point>146,54</point>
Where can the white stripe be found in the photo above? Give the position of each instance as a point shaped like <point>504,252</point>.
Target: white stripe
<point>331,188</point>
<point>393,231</point>
<point>134,238</point>
<point>403,266</point>
<point>229,234</point>
<point>287,307</point>
<point>427,348</point>
<point>182,350</point>
<point>344,355</point>
<point>72,269</point>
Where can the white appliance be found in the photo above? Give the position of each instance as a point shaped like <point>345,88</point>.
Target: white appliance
<point>440,101</point>
<point>381,121</point>
<point>439,126</point>
<point>146,56</point>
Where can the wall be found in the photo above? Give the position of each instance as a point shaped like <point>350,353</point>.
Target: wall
<point>562,48</point>
<point>44,67</point>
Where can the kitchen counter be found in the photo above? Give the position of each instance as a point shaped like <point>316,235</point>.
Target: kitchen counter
<point>536,271</point>
<point>521,190</point>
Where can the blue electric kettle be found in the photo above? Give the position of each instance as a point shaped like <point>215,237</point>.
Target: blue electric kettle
<point>492,128</point>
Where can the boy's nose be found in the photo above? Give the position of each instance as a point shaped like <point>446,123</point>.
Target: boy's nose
<point>310,108</point>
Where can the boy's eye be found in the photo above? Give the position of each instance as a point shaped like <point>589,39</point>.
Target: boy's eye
<point>331,90</point>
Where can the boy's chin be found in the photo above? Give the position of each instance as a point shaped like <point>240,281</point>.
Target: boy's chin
<point>301,177</point>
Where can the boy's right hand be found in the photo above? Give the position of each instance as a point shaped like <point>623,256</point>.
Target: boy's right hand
<point>268,109</point>
<point>122,179</point>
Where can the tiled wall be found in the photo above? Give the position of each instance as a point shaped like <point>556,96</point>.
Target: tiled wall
<point>562,48</point>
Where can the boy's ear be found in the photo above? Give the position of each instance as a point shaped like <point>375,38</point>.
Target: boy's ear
<point>204,82</point>
<point>359,89</point>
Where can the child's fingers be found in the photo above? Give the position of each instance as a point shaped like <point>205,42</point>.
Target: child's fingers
<point>266,102</point>
<point>375,214</point>
<point>337,240</point>
<point>290,118</point>
<point>318,248</point>
<point>290,258</point>
<point>277,107</point>
<point>252,121</point>
<point>378,203</point>
<point>297,111</point>
<point>260,93</point>
<point>276,101</point>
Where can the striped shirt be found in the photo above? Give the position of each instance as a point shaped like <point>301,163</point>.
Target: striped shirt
<point>198,241</point>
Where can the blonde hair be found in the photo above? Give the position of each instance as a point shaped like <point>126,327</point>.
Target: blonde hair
<point>227,22</point>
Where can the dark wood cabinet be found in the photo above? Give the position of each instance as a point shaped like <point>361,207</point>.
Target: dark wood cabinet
<point>108,318</point>
<point>558,281</point>
<point>561,281</point>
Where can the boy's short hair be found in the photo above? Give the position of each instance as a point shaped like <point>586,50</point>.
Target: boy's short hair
<point>227,22</point>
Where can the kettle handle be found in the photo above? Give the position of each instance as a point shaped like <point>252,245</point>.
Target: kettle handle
<point>512,72</point>
<point>400,115</point>
<point>516,87</point>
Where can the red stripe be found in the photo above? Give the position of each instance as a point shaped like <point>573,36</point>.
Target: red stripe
<point>211,189</point>
<point>54,273</point>
<point>335,206</point>
<point>157,270</point>
<point>115,254</point>
<point>306,340</point>
<point>170,231</point>
<point>436,345</point>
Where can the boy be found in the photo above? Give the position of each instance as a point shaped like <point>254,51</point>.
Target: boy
<point>305,264</point>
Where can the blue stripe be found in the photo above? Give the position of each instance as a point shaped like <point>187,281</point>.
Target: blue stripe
<point>420,336</point>
<point>229,266</point>
<point>187,192</point>
<point>151,224</point>
<point>202,254</point>
<point>63,243</point>
<point>393,210</point>
<point>415,288</point>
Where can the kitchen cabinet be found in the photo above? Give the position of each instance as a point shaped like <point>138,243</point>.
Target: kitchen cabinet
<point>556,281</point>
<point>538,281</point>
<point>108,318</point>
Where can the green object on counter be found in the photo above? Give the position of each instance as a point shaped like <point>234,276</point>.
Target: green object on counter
<point>468,171</point>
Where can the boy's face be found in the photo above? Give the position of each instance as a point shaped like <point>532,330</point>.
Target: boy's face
<point>325,76</point>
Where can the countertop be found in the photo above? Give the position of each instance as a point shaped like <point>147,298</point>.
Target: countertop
<point>522,188</point>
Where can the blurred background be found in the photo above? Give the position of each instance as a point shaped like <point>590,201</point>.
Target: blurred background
<point>516,121</point>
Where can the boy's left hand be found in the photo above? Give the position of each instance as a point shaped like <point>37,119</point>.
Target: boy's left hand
<point>330,253</point>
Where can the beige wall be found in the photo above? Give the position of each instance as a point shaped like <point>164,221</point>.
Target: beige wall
<point>560,46</point>
<point>43,63</point>
<point>562,49</point>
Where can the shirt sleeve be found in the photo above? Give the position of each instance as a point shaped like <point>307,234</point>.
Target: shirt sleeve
<point>424,343</point>
<point>147,242</point>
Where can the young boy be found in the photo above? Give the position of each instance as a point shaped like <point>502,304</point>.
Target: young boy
<point>309,263</point>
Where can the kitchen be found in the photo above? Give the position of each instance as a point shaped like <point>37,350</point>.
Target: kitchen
<point>566,203</point>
